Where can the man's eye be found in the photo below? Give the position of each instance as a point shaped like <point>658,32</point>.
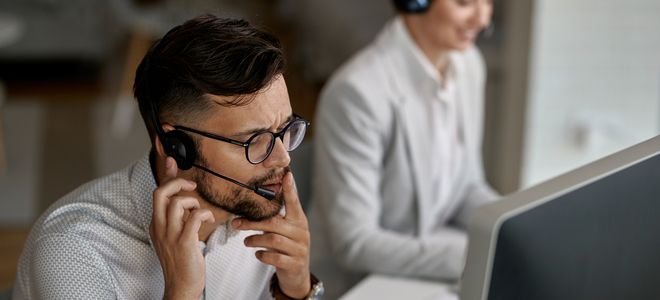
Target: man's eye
<point>279,129</point>
<point>262,138</point>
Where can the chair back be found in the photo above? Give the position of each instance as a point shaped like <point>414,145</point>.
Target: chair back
<point>301,166</point>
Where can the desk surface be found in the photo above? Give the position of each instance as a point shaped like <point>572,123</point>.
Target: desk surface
<point>395,288</point>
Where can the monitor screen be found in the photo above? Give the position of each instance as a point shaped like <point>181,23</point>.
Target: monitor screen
<point>593,233</point>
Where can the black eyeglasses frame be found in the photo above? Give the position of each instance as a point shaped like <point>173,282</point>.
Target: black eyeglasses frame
<point>247,143</point>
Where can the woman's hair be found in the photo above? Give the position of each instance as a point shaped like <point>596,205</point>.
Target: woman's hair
<point>205,55</point>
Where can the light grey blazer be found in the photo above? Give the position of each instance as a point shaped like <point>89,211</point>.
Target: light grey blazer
<point>373,209</point>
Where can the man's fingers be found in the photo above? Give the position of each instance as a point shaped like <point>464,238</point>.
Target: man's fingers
<point>279,260</point>
<point>276,242</point>
<point>195,219</point>
<point>173,187</point>
<point>162,196</point>
<point>175,210</point>
<point>291,202</point>
<point>277,225</point>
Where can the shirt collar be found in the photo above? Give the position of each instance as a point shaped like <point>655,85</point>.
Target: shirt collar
<point>416,57</point>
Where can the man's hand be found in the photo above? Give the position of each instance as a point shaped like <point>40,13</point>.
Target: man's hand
<point>287,240</point>
<point>176,240</point>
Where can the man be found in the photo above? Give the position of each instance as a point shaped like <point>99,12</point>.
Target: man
<point>166,226</point>
<point>398,165</point>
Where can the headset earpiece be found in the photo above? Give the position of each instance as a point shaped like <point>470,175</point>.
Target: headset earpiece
<point>412,6</point>
<point>181,147</point>
<point>176,143</point>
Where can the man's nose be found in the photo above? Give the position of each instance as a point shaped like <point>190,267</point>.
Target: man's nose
<point>279,157</point>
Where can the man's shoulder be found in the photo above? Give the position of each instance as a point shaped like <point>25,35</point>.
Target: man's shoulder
<point>89,227</point>
<point>98,232</point>
<point>100,208</point>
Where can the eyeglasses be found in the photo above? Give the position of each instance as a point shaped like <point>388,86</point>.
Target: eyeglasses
<point>259,146</point>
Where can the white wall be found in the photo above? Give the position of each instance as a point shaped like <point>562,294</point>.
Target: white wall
<point>594,82</point>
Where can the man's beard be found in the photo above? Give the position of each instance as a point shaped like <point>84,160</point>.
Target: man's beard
<point>239,201</point>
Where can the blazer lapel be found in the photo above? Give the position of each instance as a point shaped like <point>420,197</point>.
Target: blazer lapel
<point>410,110</point>
<point>419,153</point>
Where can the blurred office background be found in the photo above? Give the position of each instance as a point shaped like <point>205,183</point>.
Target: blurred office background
<point>569,81</point>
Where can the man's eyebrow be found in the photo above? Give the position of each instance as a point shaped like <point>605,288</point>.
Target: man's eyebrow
<point>250,132</point>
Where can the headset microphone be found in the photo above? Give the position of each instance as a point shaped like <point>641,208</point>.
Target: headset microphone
<point>181,147</point>
<point>266,193</point>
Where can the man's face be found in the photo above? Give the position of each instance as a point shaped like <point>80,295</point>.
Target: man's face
<point>269,110</point>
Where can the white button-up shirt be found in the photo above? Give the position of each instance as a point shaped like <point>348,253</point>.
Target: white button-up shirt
<point>94,243</point>
<point>442,120</point>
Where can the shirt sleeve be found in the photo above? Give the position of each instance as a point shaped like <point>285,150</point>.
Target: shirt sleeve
<point>349,150</point>
<point>66,267</point>
<point>480,193</point>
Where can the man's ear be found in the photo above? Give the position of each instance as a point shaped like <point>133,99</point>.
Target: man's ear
<point>160,150</point>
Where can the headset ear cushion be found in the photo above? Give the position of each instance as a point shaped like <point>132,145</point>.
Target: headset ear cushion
<point>412,6</point>
<point>181,148</point>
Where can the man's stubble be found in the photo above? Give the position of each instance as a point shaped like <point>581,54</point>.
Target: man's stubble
<point>240,201</point>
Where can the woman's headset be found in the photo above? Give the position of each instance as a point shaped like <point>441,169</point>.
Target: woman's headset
<point>412,6</point>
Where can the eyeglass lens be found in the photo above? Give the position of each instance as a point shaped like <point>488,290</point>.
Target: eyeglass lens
<point>261,145</point>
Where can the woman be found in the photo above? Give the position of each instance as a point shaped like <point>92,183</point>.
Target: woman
<point>398,167</point>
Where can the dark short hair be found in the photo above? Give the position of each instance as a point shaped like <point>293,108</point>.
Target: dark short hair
<point>205,55</point>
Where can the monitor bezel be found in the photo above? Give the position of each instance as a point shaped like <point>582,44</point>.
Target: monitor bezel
<point>486,222</point>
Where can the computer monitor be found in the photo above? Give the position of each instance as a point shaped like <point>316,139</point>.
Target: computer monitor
<point>593,233</point>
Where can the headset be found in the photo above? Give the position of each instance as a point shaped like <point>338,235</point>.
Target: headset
<point>421,6</point>
<point>181,147</point>
<point>412,6</point>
